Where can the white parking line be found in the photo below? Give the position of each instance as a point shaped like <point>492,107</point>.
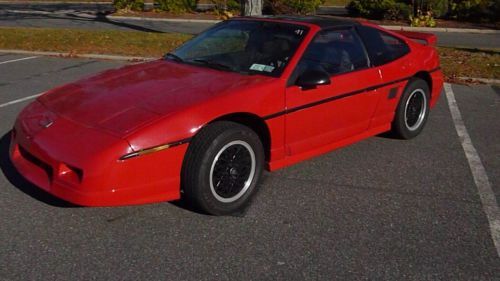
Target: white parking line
<point>27,58</point>
<point>20,100</point>
<point>486,194</point>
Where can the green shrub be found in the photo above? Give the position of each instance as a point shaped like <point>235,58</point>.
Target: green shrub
<point>439,8</point>
<point>135,5</point>
<point>229,5</point>
<point>423,20</point>
<point>301,7</point>
<point>399,11</point>
<point>378,9</point>
<point>176,6</point>
<point>476,10</point>
<point>496,10</point>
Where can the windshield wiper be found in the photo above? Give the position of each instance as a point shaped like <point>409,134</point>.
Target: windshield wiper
<point>174,57</point>
<point>214,64</point>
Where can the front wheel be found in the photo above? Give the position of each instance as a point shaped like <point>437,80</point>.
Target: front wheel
<point>413,110</point>
<point>223,165</point>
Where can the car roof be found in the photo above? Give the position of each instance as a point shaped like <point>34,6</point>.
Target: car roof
<point>321,21</point>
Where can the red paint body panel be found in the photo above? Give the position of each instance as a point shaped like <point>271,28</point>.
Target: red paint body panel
<point>340,118</point>
<point>97,120</point>
<point>105,180</point>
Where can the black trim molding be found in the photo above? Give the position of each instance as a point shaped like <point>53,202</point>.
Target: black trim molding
<point>357,92</point>
<point>330,99</point>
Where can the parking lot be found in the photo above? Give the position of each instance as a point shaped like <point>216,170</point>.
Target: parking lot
<point>381,209</point>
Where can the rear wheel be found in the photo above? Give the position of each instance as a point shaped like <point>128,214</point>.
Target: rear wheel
<point>413,110</point>
<point>223,165</point>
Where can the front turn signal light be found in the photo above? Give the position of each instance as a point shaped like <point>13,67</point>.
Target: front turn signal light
<point>145,151</point>
<point>154,149</point>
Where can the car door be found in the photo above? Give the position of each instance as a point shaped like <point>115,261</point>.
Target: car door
<point>324,114</point>
<point>388,54</point>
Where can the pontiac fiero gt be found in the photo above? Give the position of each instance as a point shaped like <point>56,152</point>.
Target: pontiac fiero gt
<point>204,121</point>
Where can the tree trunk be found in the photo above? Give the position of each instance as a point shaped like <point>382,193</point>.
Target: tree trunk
<point>251,7</point>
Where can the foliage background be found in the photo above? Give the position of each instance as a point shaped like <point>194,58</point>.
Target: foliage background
<point>300,7</point>
<point>471,10</point>
<point>421,11</point>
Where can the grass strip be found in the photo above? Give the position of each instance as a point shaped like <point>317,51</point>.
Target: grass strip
<point>79,41</point>
<point>467,62</point>
<point>455,62</point>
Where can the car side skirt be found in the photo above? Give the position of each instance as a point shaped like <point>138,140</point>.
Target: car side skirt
<point>290,160</point>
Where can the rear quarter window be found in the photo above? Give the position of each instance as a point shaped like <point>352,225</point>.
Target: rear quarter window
<point>382,47</point>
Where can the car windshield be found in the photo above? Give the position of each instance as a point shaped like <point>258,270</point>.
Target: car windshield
<point>243,46</point>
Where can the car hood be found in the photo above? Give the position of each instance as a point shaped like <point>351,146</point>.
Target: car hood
<point>122,100</point>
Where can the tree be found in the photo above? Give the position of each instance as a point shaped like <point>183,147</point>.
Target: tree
<point>251,7</point>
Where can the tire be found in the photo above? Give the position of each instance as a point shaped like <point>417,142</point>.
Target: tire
<point>222,167</point>
<point>412,111</point>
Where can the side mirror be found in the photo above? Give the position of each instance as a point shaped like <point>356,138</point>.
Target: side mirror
<point>310,79</point>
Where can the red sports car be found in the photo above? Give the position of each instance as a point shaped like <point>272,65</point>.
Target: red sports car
<point>204,121</point>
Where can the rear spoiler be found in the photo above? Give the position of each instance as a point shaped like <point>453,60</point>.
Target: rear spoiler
<point>421,37</point>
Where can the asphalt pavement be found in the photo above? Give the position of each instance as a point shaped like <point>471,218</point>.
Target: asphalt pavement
<point>90,17</point>
<point>381,209</point>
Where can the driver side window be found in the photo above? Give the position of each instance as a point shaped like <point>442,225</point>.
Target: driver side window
<point>334,52</point>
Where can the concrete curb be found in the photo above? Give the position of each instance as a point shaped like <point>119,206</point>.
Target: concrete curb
<point>162,19</point>
<point>441,29</point>
<point>390,27</point>
<point>89,56</point>
<point>61,12</point>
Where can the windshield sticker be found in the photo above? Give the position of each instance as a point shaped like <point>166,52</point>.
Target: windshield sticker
<point>262,67</point>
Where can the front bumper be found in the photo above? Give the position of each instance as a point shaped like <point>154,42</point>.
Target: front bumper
<point>96,180</point>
